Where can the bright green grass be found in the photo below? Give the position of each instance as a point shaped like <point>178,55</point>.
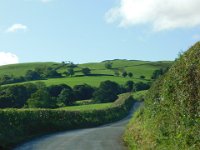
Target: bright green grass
<point>88,107</point>
<point>20,69</point>
<point>91,80</point>
<point>140,95</point>
<point>83,102</point>
<point>98,71</point>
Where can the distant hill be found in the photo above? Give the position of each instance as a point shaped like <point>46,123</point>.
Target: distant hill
<point>20,69</point>
<point>98,71</point>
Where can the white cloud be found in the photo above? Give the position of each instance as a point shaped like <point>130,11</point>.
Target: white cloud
<point>8,58</point>
<point>162,14</point>
<point>17,27</point>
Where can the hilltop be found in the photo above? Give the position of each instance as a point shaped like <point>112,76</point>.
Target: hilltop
<point>98,71</point>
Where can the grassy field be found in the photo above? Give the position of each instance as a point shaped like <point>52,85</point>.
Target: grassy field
<point>87,107</point>
<point>20,69</point>
<point>91,80</point>
<point>98,71</point>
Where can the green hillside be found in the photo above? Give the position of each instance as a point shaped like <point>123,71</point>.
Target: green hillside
<point>20,69</point>
<point>170,118</point>
<point>98,71</point>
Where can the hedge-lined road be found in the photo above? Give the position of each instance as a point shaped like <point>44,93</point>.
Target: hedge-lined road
<point>108,137</point>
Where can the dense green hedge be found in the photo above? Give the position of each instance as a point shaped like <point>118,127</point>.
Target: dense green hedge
<point>17,125</point>
<point>171,117</point>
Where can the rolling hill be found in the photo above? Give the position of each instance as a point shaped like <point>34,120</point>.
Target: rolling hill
<point>98,71</point>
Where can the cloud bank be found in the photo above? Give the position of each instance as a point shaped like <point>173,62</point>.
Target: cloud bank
<point>17,27</point>
<point>161,14</point>
<point>8,58</point>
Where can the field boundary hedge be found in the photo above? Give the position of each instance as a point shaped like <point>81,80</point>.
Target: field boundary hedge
<point>18,125</point>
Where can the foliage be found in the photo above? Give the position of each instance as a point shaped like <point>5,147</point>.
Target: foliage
<point>140,86</point>
<point>170,119</point>
<point>32,75</point>
<point>66,97</point>
<point>54,90</point>
<point>19,125</point>
<point>157,73</point>
<point>124,74</point>
<point>41,99</point>
<point>108,65</point>
<point>130,74</point>
<point>70,72</point>
<point>129,86</point>
<point>142,77</point>
<point>86,71</point>
<point>83,92</point>
<point>107,92</point>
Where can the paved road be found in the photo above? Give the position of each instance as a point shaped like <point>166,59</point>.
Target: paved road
<point>108,137</point>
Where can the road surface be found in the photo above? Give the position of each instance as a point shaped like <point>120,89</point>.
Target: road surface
<point>107,137</point>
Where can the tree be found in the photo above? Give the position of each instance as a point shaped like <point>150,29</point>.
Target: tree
<point>124,74</point>
<point>41,99</point>
<point>51,73</point>
<point>142,86</point>
<point>108,65</point>
<point>86,71</point>
<point>129,85</point>
<point>157,73</point>
<point>55,90</point>
<point>70,71</point>
<point>107,92</point>
<point>66,97</point>
<point>130,74</point>
<point>83,92</point>
<point>142,77</point>
<point>32,75</point>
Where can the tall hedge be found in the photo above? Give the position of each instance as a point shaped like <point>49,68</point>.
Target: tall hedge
<point>17,125</point>
<point>171,117</point>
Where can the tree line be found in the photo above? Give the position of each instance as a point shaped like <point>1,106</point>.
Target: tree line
<point>38,95</point>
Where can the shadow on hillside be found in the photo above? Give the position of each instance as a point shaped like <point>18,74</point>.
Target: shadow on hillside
<point>90,75</point>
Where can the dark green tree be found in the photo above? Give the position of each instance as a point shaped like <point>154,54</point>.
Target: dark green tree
<point>142,77</point>
<point>70,72</point>
<point>129,85</point>
<point>55,90</point>
<point>41,99</point>
<point>107,92</point>
<point>86,71</point>
<point>83,92</point>
<point>124,74</point>
<point>130,74</point>
<point>65,98</point>
<point>32,75</point>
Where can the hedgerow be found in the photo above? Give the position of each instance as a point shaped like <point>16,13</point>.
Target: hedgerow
<point>17,125</point>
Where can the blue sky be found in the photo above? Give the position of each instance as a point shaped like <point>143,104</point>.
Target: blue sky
<point>96,30</point>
